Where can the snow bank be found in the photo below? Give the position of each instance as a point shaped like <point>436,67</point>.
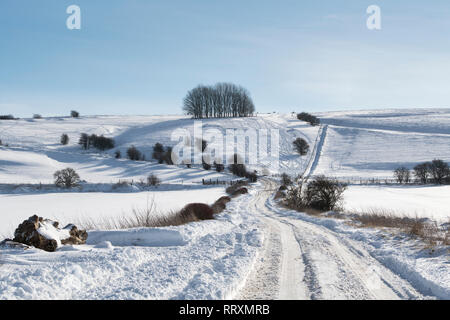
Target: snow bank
<point>145,237</point>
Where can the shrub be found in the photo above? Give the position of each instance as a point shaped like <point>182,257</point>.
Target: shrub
<point>422,172</point>
<point>206,166</point>
<point>286,179</point>
<point>301,146</point>
<point>117,154</point>
<point>74,114</point>
<point>200,211</point>
<point>439,171</point>
<point>312,120</point>
<point>321,194</point>
<point>402,175</point>
<point>237,167</point>
<point>168,156</point>
<point>220,204</point>
<point>231,189</point>
<point>153,180</point>
<point>66,178</point>
<point>158,152</point>
<point>7,117</point>
<point>64,139</point>
<point>134,154</point>
<point>294,198</point>
<point>101,143</point>
<point>324,194</point>
<point>85,141</point>
<point>219,167</point>
<point>252,176</point>
<point>239,192</point>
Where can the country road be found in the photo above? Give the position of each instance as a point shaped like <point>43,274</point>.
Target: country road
<point>301,260</point>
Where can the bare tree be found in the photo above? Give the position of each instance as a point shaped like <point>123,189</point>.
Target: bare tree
<point>422,172</point>
<point>221,100</point>
<point>402,175</point>
<point>439,171</point>
<point>67,178</point>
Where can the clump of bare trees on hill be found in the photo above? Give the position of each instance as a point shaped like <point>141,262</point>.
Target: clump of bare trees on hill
<point>219,101</point>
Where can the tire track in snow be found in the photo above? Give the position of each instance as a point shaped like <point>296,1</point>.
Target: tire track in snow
<point>325,265</point>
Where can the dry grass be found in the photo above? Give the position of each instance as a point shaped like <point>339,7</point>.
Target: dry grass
<point>428,231</point>
<point>140,218</point>
<point>151,218</point>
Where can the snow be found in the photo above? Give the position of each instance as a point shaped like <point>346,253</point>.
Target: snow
<point>210,259</point>
<point>421,201</point>
<point>48,231</point>
<point>374,143</point>
<point>202,260</point>
<point>78,207</point>
<point>425,269</point>
<point>34,152</point>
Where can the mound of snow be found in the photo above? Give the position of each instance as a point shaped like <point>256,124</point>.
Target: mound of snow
<point>145,237</point>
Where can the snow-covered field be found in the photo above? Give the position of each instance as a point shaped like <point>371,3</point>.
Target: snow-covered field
<point>413,201</point>
<point>211,259</point>
<point>34,154</point>
<point>374,143</point>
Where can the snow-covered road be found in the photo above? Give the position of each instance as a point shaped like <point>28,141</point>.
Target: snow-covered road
<point>303,260</point>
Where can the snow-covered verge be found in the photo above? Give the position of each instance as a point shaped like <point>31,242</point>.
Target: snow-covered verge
<point>427,269</point>
<point>202,260</point>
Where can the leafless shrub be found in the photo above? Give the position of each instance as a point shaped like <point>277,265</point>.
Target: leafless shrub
<point>153,180</point>
<point>120,184</point>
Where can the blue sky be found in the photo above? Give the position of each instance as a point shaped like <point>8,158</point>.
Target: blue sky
<point>141,56</point>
